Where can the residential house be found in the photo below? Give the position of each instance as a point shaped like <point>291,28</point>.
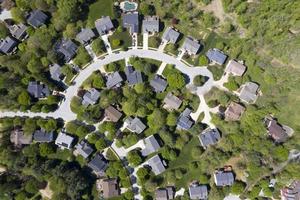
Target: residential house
<point>135,125</point>
<point>37,18</point>
<point>104,25</point>
<point>234,112</point>
<point>66,49</point>
<point>18,31</point>
<point>184,121</point>
<point>249,92</point>
<point>151,145</point>
<point>235,68</point>
<point>64,141</point>
<point>55,72</point>
<point>275,130</point>
<point>90,97</point>
<point>198,191</point>
<point>156,164</point>
<point>164,193</point>
<point>42,136</point>
<point>110,188</point>
<point>133,76</point>
<point>98,164</point>
<point>171,102</point>
<point>150,24</point>
<point>84,149</point>
<point>158,84</point>
<point>112,114</point>
<point>85,36</point>
<point>114,80</point>
<point>131,22</point>
<point>170,35</point>
<point>223,178</point>
<point>38,90</point>
<point>292,192</point>
<point>8,45</point>
<point>191,46</point>
<point>216,56</point>
<point>209,137</point>
<point>18,138</point>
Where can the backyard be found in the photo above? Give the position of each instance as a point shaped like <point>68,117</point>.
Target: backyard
<point>98,9</point>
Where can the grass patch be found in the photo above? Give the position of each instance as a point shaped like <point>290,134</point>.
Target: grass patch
<point>65,155</point>
<point>217,71</point>
<point>124,37</point>
<point>98,9</point>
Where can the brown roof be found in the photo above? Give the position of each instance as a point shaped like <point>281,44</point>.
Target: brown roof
<point>235,68</point>
<point>234,111</point>
<point>276,131</point>
<point>164,193</point>
<point>110,188</point>
<point>18,138</point>
<point>112,114</point>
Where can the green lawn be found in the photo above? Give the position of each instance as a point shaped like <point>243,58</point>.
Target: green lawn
<point>100,8</point>
<point>124,37</point>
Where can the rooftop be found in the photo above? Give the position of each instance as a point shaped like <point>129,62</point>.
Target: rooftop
<point>131,21</point>
<point>223,178</point>
<point>234,111</point>
<point>18,138</point>
<point>209,137</point>
<point>276,131</point>
<point>151,24</point>
<point>110,188</point>
<point>18,31</point>
<point>156,165</point>
<point>191,45</point>
<point>84,149</point>
<point>66,48</point>
<point>38,90</point>
<point>135,125</point>
<point>55,72</point>
<point>133,76</point>
<point>158,84</point>
<point>112,114</point>
<point>151,145</point>
<point>90,97</point>
<point>64,141</point>
<point>98,164</point>
<point>37,18</point>
<point>172,102</point>
<point>43,136</point>
<point>184,121</point>
<point>104,25</point>
<point>171,35</point>
<point>248,92</point>
<point>198,192</point>
<point>113,80</point>
<point>85,35</point>
<point>235,68</point>
<point>217,56</point>
<point>164,193</point>
<point>8,44</point>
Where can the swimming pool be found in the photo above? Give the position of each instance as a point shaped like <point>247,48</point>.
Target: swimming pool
<point>128,6</point>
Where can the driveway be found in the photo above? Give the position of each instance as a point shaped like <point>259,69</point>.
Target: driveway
<point>107,44</point>
<point>145,40</point>
<point>161,68</point>
<point>162,46</point>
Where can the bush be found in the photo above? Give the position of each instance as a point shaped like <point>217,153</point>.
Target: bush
<point>116,43</point>
<point>98,46</point>
<point>203,60</point>
<point>134,158</point>
<point>199,80</point>
<point>82,57</point>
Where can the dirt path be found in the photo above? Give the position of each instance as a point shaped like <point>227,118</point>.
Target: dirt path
<point>216,8</point>
<point>47,192</point>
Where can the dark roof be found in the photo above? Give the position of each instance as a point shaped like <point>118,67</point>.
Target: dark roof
<point>67,49</point>
<point>292,192</point>
<point>184,121</point>
<point>151,145</point>
<point>98,164</point>
<point>112,114</point>
<point>38,90</point>
<point>110,188</point>
<point>217,56</point>
<point>171,35</point>
<point>164,193</point>
<point>83,148</point>
<point>133,76</point>
<point>158,84</point>
<point>85,35</point>
<point>55,72</point>
<point>42,136</point>
<point>191,45</point>
<point>151,24</point>
<point>18,31</point>
<point>223,178</point>
<point>198,192</point>
<point>104,25</point>
<point>37,18</point>
<point>209,137</point>
<point>234,111</point>
<point>276,131</point>
<point>8,44</point>
<point>131,21</point>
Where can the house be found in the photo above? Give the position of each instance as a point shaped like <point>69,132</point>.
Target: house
<point>64,141</point>
<point>110,188</point>
<point>158,84</point>
<point>223,178</point>
<point>18,31</point>
<point>249,92</point>
<point>156,165</point>
<point>235,68</point>
<point>131,22</point>
<point>234,112</point>
<point>133,76</point>
<point>171,102</point>
<point>191,46</point>
<point>292,192</point>
<point>135,125</point>
<point>98,164</point>
<point>38,90</point>
<point>170,35</point>
<point>151,146</point>
<point>90,97</point>
<point>184,121</point>
<point>66,49</point>
<point>18,138</point>
<point>209,137</point>
<point>114,80</point>
<point>150,24</point>
<point>165,193</point>
<point>198,191</point>
<point>37,18</point>
<point>43,136</point>
<point>216,56</point>
<point>84,149</point>
<point>55,72</point>
<point>275,130</point>
<point>112,114</point>
<point>85,36</point>
<point>104,25</point>
<point>8,45</point>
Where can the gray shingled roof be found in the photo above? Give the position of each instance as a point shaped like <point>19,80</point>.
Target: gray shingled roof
<point>18,31</point>
<point>151,24</point>
<point>113,79</point>
<point>198,192</point>
<point>90,97</point>
<point>131,21</point>
<point>18,138</point>
<point>276,131</point>
<point>191,45</point>
<point>235,68</point>
<point>217,56</point>
<point>37,18</point>
<point>104,25</point>
<point>55,72</point>
<point>172,102</point>
<point>42,136</point>
<point>159,84</point>
<point>85,35</point>
<point>135,125</point>
<point>248,92</point>
<point>8,44</point>
<point>64,141</point>
<point>170,35</point>
<point>98,164</point>
<point>133,76</point>
<point>151,145</point>
<point>83,148</point>
<point>164,193</point>
<point>38,90</point>
<point>112,114</point>
<point>184,121</point>
<point>223,178</point>
<point>209,137</point>
<point>156,165</point>
<point>67,48</point>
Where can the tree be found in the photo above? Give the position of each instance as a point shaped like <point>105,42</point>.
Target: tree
<point>147,9</point>
<point>31,186</point>
<point>98,81</point>
<point>238,187</point>
<point>46,149</point>
<point>176,80</point>
<point>71,31</point>
<point>98,46</point>
<point>3,30</point>
<point>82,131</point>
<point>17,14</point>
<point>100,144</point>
<point>203,60</point>
<point>82,57</point>
<point>157,119</point>
<point>116,42</point>
<point>129,107</point>
<point>111,67</point>
<point>199,80</point>
<point>24,98</point>
<point>134,158</point>
<point>172,119</point>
